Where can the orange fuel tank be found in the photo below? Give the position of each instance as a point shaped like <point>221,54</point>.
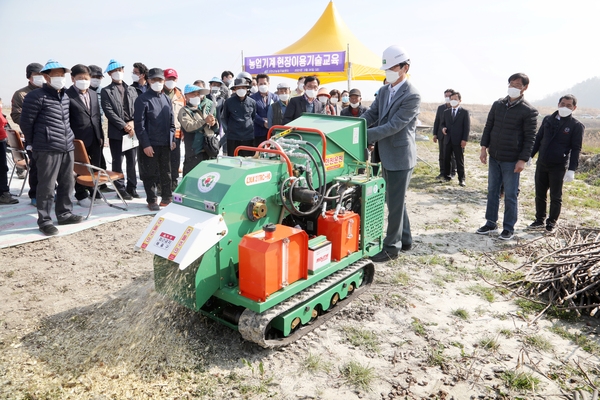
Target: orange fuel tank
<point>271,259</point>
<point>342,233</point>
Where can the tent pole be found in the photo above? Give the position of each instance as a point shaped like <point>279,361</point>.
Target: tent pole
<point>243,69</point>
<point>349,66</point>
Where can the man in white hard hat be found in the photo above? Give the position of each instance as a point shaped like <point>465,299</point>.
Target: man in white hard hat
<point>393,121</point>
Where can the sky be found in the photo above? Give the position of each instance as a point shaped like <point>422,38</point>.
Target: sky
<point>472,46</point>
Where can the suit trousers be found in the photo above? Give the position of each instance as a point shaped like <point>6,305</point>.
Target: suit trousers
<point>175,160</point>
<point>442,148</point>
<point>453,152</point>
<point>398,225</point>
<point>3,168</point>
<point>156,169</point>
<point>548,177</point>
<point>55,170</point>
<point>33,176</point>
<point>117,154</point>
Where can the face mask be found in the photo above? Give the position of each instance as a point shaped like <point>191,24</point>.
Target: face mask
<point>58,82</point>
<point>241,93</point>
<point>170,85</point>
<point>215,89</point>
<point>82,84</point>
<point>253,89</point>
<point>354,105</point>
<point>301,86</point>
<point>117,76</point>
<point>333,100</point>
<point>453,103</point>
<point>447,100</point>
<point>195,101</point>
<point>263,88</point>
<point>227,82</point>
<point>39,80</point>
<point>513,93</point>
<point>564,112</point>
<point>311,93</point>
<point>157,86</point>
<point>135,77</point>
<point>391,76</point>
<point>284,97</point>
<point>96,82</point>
<point>345,99</point>
<point>323,99</point>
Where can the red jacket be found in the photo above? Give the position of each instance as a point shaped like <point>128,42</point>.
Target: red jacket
<point>3,122</point>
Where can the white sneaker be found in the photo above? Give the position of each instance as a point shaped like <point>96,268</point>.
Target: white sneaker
<point>86,203</point>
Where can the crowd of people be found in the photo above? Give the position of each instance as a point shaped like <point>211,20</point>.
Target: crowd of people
<point>229,112</point>
<point>208,118</point>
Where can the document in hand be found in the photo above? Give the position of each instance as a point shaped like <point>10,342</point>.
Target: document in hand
<point>130,142</point>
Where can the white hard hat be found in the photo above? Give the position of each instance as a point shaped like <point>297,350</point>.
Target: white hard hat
<point>393,55</point>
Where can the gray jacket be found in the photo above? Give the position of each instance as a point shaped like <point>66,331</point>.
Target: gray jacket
<point>116,111</point>
<point>393,125</point>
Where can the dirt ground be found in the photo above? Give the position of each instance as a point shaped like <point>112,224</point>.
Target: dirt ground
<point>79,319</point>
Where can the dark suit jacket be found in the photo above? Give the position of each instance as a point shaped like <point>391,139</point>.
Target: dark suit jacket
<point>117,111</point>
<point>85,123</point>
<point>437,123</point>
<point>297,106</point>
<point>457,129</point>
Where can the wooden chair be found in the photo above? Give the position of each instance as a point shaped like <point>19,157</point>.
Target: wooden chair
<point>92,176</point>
<point>19,156</point>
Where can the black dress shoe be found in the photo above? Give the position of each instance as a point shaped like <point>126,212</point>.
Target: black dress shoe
<point>125,195</point>
<point>49,230</point>
<point>462,183</point>
<point>106,189</point>
<point>133,193</point>
<point>406,247</point>
<point>72,219</point>
<point>383,256</point>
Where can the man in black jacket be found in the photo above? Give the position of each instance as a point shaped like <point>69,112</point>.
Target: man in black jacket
<point>45,124</point>
<point>558,142</point>
<point>438,135</point>
<point>456,126</point>
<point>508,137</point>
<point>117,101</point>
<point>84,116</point>
<point>155,127</point>
<point>307,102</point>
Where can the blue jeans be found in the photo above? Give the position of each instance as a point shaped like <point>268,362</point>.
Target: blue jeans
<point>502,173</point>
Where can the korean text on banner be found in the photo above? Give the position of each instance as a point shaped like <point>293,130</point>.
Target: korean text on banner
<point>331,61</point>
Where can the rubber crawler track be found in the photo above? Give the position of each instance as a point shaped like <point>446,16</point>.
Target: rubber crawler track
<point>254,327</point>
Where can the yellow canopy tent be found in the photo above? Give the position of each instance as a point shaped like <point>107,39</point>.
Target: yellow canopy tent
<point>330,33</point>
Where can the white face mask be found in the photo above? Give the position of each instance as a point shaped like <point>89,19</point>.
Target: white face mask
<point>96,82</point>
<point>253,89</point>
<point>241,93</point>
<point>170,85</point>
<point>39,80</point>
<point>391,76</point>
<point>215,89</point>
<point>82,84</point>
<point>263,88</point>
<point>58,82</point>
<point>323,99</point>
<point>354,105</point>
<point>301,86</point>
<point>453,103</point>
<point>157,86</point>
<point>564,112</point>
<point>117,76</point>
<point>195,101</point>
<point>135,77</point>
<point>447,100</point>
<point>513,93</point>
<point>311,93</point>
<point>333,100</point>
<point>345,99</point>
<point>284,97</point>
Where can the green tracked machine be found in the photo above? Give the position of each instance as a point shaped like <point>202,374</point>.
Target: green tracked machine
<point>275,244</point>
